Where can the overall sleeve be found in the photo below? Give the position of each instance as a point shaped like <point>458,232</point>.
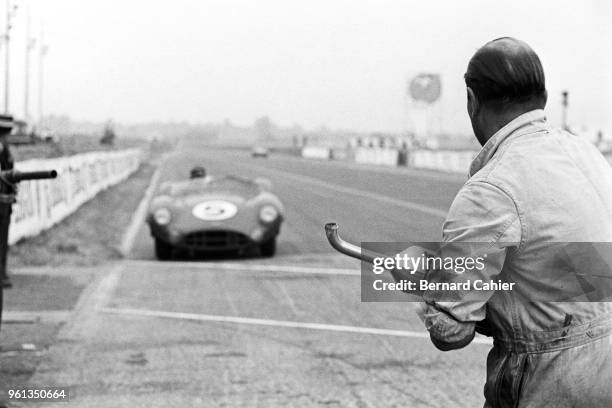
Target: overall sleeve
<point>482,223</point>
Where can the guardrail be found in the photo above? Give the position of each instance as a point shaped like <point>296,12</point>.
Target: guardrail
<point>454,161</point>
<point>380,157</point>
<point>316,152</point>
<point>43,203</point>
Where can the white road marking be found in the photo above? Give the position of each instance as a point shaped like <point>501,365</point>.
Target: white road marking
<point>127,241</point>
<point>246,267</point>
<point>288,297</point>
<point>357,192</point>
<point>230,302</point>
<point>105,289</point>
<point>92,300</point>
<point>276,323</point>
<point>30,317</point>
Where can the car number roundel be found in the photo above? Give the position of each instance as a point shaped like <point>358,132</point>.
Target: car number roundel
<point>216,210</point>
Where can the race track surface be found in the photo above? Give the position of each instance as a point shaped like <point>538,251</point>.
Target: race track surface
<point>283,332</point>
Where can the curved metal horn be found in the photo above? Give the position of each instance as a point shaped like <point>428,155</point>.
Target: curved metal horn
<point>342,246</point>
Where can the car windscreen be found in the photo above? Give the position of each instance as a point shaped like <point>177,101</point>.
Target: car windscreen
<point>222,185</point>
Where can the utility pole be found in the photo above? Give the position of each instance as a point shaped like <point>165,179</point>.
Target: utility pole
<point>10,13</point>
<point>7,55</point>
<point>564,103</point>
<point>30,43</point>
<point>42,51</point>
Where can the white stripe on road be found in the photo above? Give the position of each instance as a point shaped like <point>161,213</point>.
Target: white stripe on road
<point>276,323</point>
<point>357,192</point>
<point>138,217</point>
<point>94,298</point>
<point>226,266</point>
<point>36,316</point>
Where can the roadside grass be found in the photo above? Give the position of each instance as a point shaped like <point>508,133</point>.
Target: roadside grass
<point>92,234</point>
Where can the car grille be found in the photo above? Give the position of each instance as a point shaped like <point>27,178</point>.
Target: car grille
<point>215,240</point>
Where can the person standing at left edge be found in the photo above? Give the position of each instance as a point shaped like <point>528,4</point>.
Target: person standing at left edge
<point>8,192</point>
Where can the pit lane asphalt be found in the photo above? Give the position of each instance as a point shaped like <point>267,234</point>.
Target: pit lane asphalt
<point>282,332</point>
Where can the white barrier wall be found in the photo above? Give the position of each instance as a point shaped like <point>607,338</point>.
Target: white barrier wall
<point>455,161</point>
<point>43,203</point>
<point>381,157</point>
<point>316,152</point>
<point>443,160</point>
<point>339,154</point>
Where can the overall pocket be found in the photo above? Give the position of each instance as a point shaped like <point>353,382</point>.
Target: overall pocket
<point>505,372</point>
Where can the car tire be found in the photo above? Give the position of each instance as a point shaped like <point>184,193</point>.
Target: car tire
<point>268,248</point>
<point>163,250</point>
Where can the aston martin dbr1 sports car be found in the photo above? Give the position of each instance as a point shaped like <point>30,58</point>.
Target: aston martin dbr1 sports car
<point>206,214</point>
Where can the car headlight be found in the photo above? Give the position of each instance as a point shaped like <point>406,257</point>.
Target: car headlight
<point>162,216</point>
<point>268,213</point>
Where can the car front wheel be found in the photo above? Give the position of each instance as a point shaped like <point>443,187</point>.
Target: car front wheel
<point>163,250</point>
<point>268,248</point>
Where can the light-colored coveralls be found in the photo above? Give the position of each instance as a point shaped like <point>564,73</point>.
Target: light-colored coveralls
<point>538,202</point>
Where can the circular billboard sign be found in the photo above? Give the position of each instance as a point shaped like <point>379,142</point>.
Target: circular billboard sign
<point>425,88</point>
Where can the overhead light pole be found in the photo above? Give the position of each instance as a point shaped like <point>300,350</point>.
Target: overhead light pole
<point>30,43</point>
<point>42,51</point>
<point>564,103</point>
<point>7,56</point>
<point>10,13</point>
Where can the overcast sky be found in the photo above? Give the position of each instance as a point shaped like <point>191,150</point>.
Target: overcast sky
<point>342,64</point>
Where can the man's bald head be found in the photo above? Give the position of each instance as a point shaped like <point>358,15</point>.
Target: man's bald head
<point>507,73</point>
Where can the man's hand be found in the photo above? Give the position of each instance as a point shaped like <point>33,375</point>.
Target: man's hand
<point>413,263</point>
<point>421,308</point>
<point>445,332</point>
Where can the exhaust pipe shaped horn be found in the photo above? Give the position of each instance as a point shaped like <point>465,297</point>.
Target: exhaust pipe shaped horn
<point>346,248</point>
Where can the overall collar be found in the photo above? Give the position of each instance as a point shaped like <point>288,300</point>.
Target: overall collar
<point>491,146</point>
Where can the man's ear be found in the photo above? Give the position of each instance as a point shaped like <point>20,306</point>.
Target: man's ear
<point>472,102</point>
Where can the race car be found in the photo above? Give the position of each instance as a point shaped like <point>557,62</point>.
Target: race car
<point>212,214</point>
<point>260,151</point>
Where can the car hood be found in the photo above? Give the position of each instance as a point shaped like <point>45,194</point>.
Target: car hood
<point>192,200</point>
<point>233,204</point>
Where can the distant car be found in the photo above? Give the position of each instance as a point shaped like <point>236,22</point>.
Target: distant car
<point>21,134</point>
<point>260,151</point>
<point>215,214</point>
<point>48,136</point>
